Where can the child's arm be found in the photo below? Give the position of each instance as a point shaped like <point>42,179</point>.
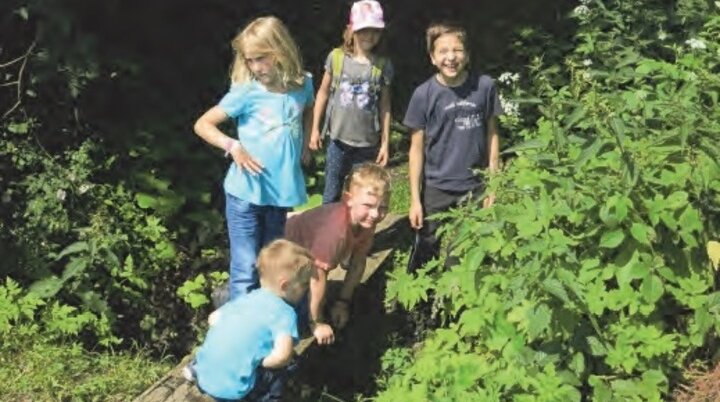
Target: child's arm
<point>280,354</point>
<point>322,332</point>
<point>207,128</point>
<point>415,164</point>
<point>321,100</point>
<point>340,311</point>
<point>385,117</point>
<point>493,138</point>
<point>307,126</point>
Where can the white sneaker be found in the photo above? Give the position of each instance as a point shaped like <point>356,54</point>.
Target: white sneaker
<point>189,373</point>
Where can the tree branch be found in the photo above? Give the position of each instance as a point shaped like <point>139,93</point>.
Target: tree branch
<point>18,97</point>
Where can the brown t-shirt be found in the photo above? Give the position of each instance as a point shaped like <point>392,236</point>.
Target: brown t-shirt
<point>326,231</point>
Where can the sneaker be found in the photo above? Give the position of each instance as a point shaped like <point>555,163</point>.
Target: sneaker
<point>188,373</point>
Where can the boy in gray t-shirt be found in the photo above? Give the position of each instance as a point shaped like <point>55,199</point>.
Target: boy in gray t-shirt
<point>453,120</point>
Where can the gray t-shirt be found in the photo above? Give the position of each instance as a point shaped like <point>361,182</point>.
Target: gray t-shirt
<point>352,114</point>
<point>455,125</point>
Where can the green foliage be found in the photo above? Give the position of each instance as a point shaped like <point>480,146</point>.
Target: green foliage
<point>590,276</point>
<point>41,359</point>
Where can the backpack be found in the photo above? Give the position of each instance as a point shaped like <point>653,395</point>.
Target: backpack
<point>337,56</point>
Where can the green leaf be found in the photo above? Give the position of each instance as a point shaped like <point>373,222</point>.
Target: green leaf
<point>642,233</point>
<point>652,288</point>
<point>596,347</point>
<point>539,321</point>
<point>612,239</point>
<point>47,287</point>
<point>73,248</point>
<point>74,268</point>
<point>556,288</point>
<point>146,201</point>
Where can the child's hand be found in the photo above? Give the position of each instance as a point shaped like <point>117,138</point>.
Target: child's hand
<point>323,334</point>
<point>315,140</point>
<point>305,158</point>
<point>382,157</point>
<point>416,216</point>
<point>340,313</point>
<point>244,160</point>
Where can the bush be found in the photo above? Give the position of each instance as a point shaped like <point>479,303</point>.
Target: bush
<point>590,276</point>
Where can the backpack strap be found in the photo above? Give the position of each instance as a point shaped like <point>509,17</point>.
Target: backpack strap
<point>376,72</point>
<point>336,62</point>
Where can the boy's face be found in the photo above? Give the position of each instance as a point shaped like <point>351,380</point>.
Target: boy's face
<point>449,57</point>
<point>366,207</point>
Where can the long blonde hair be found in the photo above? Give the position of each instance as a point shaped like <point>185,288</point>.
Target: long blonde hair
<point>267,35</point>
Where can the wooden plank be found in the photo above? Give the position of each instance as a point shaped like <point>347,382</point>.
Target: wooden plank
<point>174,388</point>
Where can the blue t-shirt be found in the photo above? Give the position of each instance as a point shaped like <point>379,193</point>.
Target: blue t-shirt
<point>242,336</point>
<point>455,123</point>
<point>270,127</point>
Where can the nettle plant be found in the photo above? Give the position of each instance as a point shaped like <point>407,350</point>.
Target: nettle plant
<point>590,277</point>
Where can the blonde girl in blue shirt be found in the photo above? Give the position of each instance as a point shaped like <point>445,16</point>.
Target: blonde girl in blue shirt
<point>270,100</point>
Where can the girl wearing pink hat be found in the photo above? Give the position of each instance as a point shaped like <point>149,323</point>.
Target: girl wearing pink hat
<point>354,99</point>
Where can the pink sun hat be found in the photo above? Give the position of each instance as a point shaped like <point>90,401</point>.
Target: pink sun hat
<point>366,14</point>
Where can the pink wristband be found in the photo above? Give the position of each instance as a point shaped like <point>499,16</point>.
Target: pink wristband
<point>229,143</point>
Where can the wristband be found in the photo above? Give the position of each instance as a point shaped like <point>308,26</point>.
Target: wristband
<point>229,144</point>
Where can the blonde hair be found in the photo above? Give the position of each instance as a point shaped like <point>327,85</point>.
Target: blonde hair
<point>267,35</point>
<point>371,175</point>
<point>283,257</point>
<point>348,44</point>
<point>438,29</point>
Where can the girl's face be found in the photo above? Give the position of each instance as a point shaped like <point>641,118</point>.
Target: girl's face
<point>262,67</point>
<point>367,209</point>
<point>366,39</point>
<point>450,58</point>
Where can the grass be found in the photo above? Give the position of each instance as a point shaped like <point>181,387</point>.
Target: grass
<point>44,371</point>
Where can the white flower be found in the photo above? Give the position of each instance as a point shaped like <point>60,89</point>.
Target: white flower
<point>587,62</point>
<point>662,35</point>
<point>510,108</point>
<point>695,43</point>
<point>84,188</point>
<point>72,177</point>
<point>508,78</point>
<point>581,11</point>
<point>60,194</point>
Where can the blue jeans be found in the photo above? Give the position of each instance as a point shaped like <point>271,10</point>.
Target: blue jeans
<point>250,227</point>
<point>269,385</point>
<point>340,158</point>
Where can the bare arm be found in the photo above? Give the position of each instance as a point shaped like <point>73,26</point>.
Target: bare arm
<point>207,128</point>
<point>493,145</point>
<point>323,332</point>
<point>415,164</point>
<point>280,354</point>
<point>321,100</point>
<point>385,117</point>
<point>340,311</point>
<point>307,126</point>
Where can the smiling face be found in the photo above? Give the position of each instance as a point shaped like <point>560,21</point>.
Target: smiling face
<point>367,207</point>
<point>450,58</point>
